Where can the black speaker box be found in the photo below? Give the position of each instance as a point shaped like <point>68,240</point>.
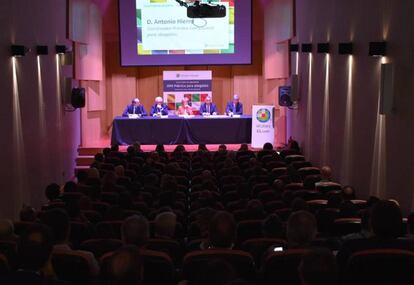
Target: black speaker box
<point>78,97</point>
<point>285,96</point>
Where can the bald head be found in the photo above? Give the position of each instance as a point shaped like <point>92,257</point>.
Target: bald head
<point>158,100</point>
<point>326,173</point>
<point>165,224</point>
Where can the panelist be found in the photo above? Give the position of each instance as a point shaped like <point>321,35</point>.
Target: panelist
<point>234,107</point>
<point>135,108</point>
<point>159,108</point>
<point>185,108</point>
<point>208,107</point>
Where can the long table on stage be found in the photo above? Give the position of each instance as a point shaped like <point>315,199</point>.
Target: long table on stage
<point>181,130</point>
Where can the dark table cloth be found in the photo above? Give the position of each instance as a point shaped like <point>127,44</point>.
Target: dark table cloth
<point>179,130</point>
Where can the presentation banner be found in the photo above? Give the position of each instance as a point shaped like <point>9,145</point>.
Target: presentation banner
<point>263,129</point>
<point>195,85</point>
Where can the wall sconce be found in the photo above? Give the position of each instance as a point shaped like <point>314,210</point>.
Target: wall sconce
<point>323,48</point>
<point>377,49</point>
<point>61,49</point>
<point>42,50</point>
<point>306,48</point>
<point>294,48</point>
<point>19,50</point>
<point>345,48</point>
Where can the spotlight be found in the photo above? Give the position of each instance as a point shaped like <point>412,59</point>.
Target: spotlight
<point>323,48</point>
<point>306,48</point>
<point>293,47</point>
<point>377,48</point>
<point>42,50</point>
<point>18,50</point>
<point>61,49</point>
<point>345,48</point>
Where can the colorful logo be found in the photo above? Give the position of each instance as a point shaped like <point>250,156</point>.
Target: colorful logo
<point>263,115</point>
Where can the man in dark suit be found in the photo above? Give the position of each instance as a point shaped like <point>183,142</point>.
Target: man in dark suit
<point>159,108</point>
<point>234,107</point>
<point>134,108</point>
<point>208,107</point>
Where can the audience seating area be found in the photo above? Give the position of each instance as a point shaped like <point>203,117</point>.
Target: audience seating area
<point>281,208</point>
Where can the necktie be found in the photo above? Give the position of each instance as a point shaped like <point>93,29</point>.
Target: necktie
<point>133,112</point>
<point>208,108</point>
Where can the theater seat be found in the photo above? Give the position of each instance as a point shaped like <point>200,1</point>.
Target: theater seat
<point>72,267</point>
<point>380,267</point>
<point>195,261</point>
<point>249,229</point>
<point>100,247</point>
<point>158,267</point>
<point>344,226</point>
<point>171,247</point>
<point>282,267</point>
<point>258,246</point>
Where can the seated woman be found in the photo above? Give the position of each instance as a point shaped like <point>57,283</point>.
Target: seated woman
<point>184,109</point>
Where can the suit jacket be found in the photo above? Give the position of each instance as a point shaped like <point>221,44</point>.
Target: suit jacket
<point>213,108</point>
<point>139,109</point>
<point>163,110</point>
<point>237,111</point>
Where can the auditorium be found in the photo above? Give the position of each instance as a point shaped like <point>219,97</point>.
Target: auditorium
<point>201,142</point>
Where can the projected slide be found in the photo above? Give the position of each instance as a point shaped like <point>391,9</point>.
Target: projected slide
<point>164,28</point>
<point>185,32</point>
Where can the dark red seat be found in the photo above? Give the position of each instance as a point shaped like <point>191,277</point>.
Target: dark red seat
<point>380,267</point>
<point>344,226</point>
<point>158,267</point>
<point>195,261</point>
<point>170,247</point>
<point>72,267</point>
<point>100,247</point>
<point>282,267</point>
<point>249,229</point>
<point>258,246</point>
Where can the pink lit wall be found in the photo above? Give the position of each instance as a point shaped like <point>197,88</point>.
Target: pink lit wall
<point>337,122</point>
<point>39,139</point>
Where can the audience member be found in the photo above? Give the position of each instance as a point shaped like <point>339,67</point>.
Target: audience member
<point>58,221</point>
<point>52,192</point>
<point>301,229</point>
<point>28,214</point>
<point>165,224</point>
<point>135,231</point>
<point>272,227</point>
<point>222,231</point>
<point>34,254</point>
<point>7,230</point>
<point>126,267</point>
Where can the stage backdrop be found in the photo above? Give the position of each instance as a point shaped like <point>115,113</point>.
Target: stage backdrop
<point>195,85</point>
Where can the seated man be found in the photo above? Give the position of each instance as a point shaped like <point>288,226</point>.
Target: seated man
<point>159,108</point>
<point>134,108</point>
<point>234,107</point>
<point>184,109</point>
<point>208,107</point>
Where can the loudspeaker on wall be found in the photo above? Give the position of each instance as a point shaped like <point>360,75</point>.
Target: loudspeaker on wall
<point>78,97</point>
<point>285,99</point>
<point>387,89</point>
